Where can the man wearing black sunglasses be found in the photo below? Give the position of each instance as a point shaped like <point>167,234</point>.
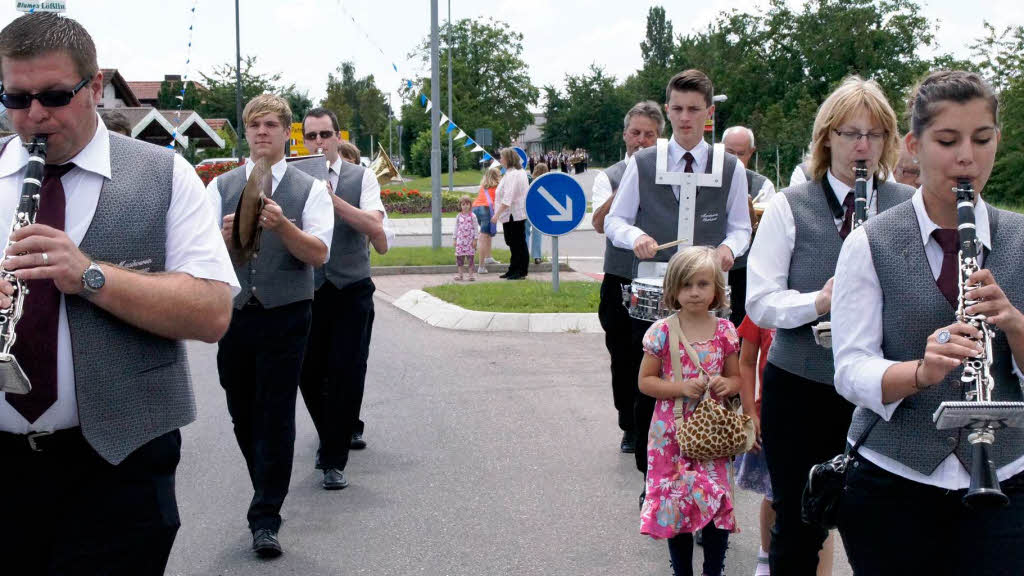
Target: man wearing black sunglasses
<point>122,263</point>
<point>334,369</point>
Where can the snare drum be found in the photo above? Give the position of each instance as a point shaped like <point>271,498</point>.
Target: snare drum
<point>643,300</point>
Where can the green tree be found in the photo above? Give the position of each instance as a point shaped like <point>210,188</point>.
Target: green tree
<point>491,85</point>
<point>170,97</point>
<point>657,46</point>
<point>361,107</point>
<point>220,100</point>
<point>588,116</point>
<point>298,101</point>
<point>1000,55</point>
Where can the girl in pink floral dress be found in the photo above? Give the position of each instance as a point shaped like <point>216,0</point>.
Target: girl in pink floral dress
<point>466,231</point>
<point>684,495</point>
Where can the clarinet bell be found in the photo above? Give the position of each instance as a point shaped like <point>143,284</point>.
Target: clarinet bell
<point>984,493</point>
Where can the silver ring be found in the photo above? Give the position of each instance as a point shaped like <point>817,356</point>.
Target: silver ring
<point>46,259</point>
<point>943,337</point>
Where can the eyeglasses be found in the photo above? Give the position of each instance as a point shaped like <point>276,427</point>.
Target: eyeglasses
<point>323,134</point>
<point>49,99</point>
<point>851,136</point>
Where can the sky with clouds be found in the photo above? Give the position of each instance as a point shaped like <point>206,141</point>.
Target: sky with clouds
<point>304,40</point>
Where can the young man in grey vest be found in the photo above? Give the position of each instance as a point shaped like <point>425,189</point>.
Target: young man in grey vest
<point>260,358</point>
<point>645,214</point>
<point>334,370</point>
<point>641,127</point>
<point>739,141</point>
<point>122,264</point>
<point>789,288</point>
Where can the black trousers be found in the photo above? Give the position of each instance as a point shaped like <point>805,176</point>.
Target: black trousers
<point>643,407</point>
<point>515,238</point>
<point>891,525</point>
<point>803,423</point>
<point>618,334</point>
<point>738,284</point>
<point>259,361</point>
<point>67,511</point>
<point>334,368</point>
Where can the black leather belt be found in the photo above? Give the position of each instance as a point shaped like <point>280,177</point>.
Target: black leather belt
<point>42,441</point>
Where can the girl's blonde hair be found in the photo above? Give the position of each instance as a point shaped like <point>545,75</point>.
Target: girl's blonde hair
<point>464,199</point>
<point>540,169</point>
<point>853,94</point>
<point>491,178</point>
<point>686,264</point>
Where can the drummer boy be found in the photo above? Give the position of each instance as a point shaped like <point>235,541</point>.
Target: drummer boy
<point>681,190</point>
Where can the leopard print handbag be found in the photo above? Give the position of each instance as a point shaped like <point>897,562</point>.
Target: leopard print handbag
<point>714,430</point>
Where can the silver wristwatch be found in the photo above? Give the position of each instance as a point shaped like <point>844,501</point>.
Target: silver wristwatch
<point>93,279</point>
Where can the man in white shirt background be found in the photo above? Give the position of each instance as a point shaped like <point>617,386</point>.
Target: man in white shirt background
<point>260,358</point>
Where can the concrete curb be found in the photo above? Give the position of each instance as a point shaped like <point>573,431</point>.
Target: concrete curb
<point>453,269</point>
<point>441,314</point>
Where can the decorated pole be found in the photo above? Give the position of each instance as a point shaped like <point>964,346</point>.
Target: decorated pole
<point>435,136</point>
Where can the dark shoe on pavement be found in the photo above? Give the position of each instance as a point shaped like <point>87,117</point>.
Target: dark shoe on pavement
<point>643,494</point>
<point>698,538</point>
<point>357,442</point>
<point>628,445</point>
<point>316,461</point>
<point>265,544</point>
<point>505,275</point>
<point>334,479</point>
<point>536,260</point>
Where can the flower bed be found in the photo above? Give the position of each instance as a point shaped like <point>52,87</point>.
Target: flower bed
<point>406,201</point>
<point>208,172</point>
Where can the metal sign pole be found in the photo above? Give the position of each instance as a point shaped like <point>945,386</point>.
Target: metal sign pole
<point>554,263</point>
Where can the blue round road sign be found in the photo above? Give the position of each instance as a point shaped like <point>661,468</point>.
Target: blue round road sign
<point>522,156</point>
<point>555,204</point>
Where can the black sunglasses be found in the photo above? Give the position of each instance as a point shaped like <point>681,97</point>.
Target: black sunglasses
<point>49,99</point>
<point>324,135</point>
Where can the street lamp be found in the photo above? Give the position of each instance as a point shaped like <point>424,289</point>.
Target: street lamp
<point>715,100</point>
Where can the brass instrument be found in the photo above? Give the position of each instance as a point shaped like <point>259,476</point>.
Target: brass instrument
<point>860,194</point>
<point>12,378</point>
<point>978,414</point>
<point>383,168</point>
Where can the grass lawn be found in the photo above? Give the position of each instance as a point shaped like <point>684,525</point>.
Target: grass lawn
<point>521,296</point>
<point>424,256</point>
<point>462,178</point>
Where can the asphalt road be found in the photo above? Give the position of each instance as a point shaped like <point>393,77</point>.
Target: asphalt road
<point>489,454</point>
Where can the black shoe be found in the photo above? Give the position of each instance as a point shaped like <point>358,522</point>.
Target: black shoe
<point>536,260</point>
<point>643,494</point>
<point>628,445</point>
<point>698,538</point>
<point>334,479</point>
<point>357,442</point>
<point>265,544</point>
<point>316,461</point>
<point>516,277</point>
<point>505,275</point>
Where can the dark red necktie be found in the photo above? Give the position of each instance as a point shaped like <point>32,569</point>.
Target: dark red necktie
<point>689,162</point>
<point>847,216</point>
<point>36,346</point>
<point>948,283</point>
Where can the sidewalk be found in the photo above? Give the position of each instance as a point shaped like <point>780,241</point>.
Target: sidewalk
<point>406,293</point>
<point>424,226</point>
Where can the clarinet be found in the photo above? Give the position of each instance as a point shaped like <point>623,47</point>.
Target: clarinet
<point>860,194</point>
<point>12,377</point>
<point>976,378</point>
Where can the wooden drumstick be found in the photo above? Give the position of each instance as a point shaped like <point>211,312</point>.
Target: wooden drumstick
<point>661,247</point>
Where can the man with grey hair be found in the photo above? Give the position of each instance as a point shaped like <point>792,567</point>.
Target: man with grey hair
<point>641,127</point>
<point>122,264</point>
<point>739,141</point>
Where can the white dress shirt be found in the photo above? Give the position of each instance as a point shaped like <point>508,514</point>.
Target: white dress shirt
<point>512,192</point>
<point>797,177</point>
<point>770,301</point>
<point>369,196</point>
<point>317,213</point>
<point>602,189</point>
<point>194,246</point>
<point>766,193</point>
<point>860,363</point>
<point>619,226</point>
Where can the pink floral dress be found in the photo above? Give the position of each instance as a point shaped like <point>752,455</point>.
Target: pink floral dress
<point>684,495</point>
<point>466,230</point>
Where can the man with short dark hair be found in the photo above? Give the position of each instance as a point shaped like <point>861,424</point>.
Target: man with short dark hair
<point>334,370</point>
<point>122,264</point>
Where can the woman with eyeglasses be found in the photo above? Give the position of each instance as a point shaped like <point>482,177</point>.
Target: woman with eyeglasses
<point>901,354</point>
<point>789,288</point>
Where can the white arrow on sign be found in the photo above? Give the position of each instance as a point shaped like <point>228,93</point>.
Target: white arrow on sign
<point>564,212</point>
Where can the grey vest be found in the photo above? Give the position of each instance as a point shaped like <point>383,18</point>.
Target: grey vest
<point>132,386</point>
<point>815,252</point>
<point>913,308</point>
<point>617,261</point>
<point>658,214</point>
<point>754,183</point>
<point>350,249</point>
<point>274,276</point>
